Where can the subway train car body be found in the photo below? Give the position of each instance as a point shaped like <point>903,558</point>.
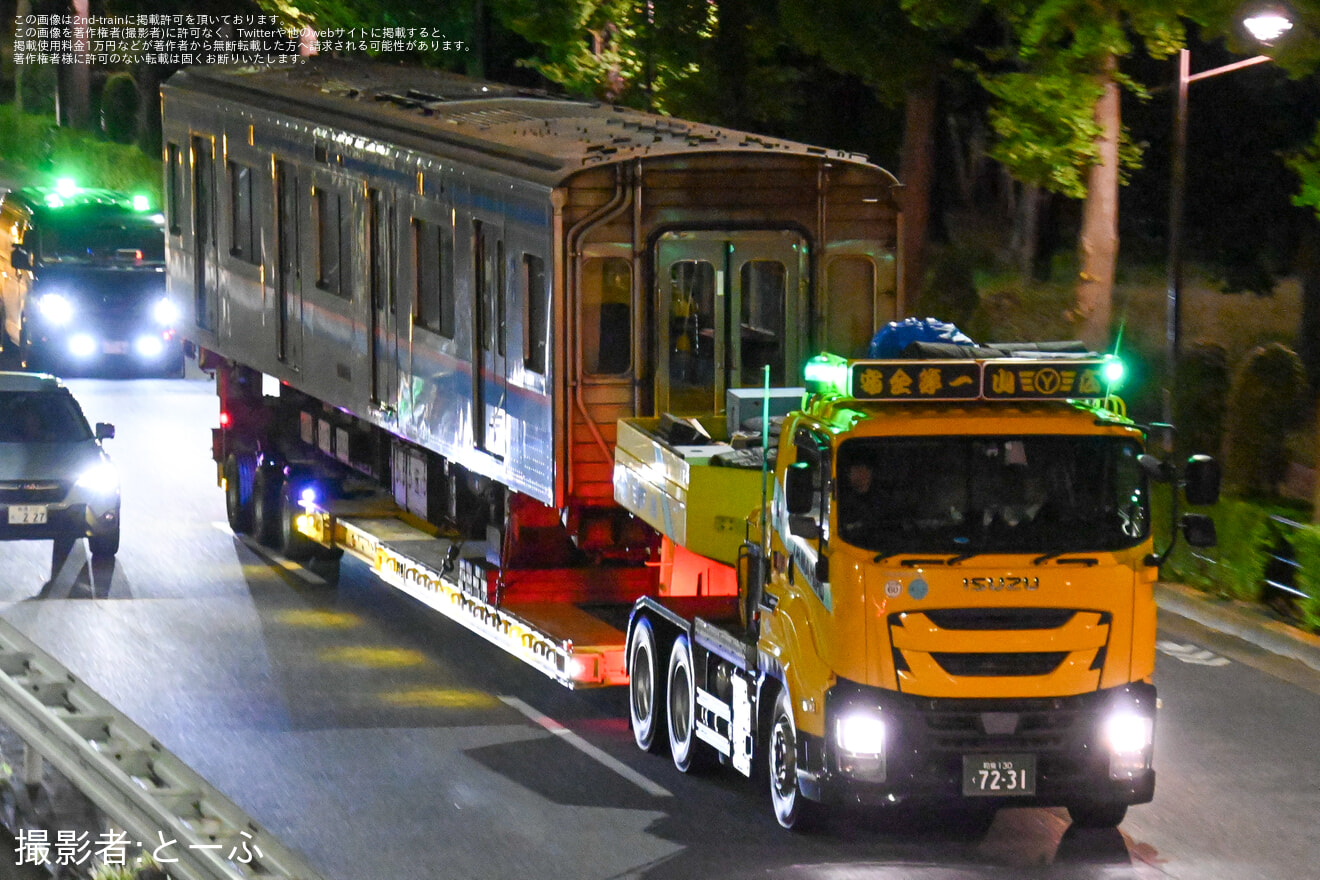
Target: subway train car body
<point>461,287</point>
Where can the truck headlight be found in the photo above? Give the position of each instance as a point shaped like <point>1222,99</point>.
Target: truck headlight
<point>100,479</point>
<point>56,309</point>
<point>859,735</point>
<point>165,312</point>
<point>1129,736</point>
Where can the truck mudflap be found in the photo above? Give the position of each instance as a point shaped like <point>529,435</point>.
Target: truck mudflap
<point>1091,748</point>
<point>562,641</point>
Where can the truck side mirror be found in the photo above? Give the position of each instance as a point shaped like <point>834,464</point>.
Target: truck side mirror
<point>20,258</point>
<point>105,431</point>
<point>1201,480</point>
<point>1199,530</point>
<point>798,488</point>
<point>800,525</point>
<point>1153,468</point>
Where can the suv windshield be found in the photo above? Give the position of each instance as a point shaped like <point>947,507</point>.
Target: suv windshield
<point>98,236</point>
<point>41,417</point>
<point>1029,494</point>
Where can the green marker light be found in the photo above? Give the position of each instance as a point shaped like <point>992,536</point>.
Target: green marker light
<point>825,374</point>
<point>141,203</point>
<point>1113,370</point>
<point>66,187</point>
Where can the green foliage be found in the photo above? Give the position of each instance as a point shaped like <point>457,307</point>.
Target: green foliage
<point>1200,398</point>
<point>950,293</point>
<point>1305,163</point>
<point>1263,404</point>
<point>41,151</point>
<point>1246,536</point>
<point>119,104</point>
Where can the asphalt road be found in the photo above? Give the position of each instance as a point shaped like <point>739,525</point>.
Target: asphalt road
<point>384,742</point>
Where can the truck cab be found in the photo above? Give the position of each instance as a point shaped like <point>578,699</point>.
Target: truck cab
<point>951,597</point>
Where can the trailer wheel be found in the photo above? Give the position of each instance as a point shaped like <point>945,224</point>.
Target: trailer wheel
<point>266,505</point>
<point>293,543</point>
<point>792,809</point>
<point>1093,815</point>
<point>684,747</point>
<point>646,691</point>
<point>240,468</point>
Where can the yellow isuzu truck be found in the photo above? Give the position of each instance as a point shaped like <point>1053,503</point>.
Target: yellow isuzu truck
<point>946,594</point>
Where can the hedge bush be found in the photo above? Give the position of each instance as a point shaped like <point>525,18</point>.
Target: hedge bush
<point>1265,401</point>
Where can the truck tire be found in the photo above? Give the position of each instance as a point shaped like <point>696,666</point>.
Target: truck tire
<point>240,468</point>
<point>685,748</point>
<point>646,690</point>
<point>1094,815</point>
<point>792,810</point>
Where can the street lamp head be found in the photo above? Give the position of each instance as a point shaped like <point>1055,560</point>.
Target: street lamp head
<point>1268,25</point>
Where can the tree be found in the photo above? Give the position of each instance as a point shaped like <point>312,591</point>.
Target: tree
<point>1056,79</point>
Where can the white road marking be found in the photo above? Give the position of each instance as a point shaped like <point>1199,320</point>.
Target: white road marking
<point>588,749</point>
<point>272,557</point>
<point>1191,654</point>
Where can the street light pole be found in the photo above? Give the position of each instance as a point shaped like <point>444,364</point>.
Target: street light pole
<point>1177,185</point>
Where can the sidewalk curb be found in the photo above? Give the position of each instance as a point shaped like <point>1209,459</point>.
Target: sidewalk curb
<point>1240,619</point>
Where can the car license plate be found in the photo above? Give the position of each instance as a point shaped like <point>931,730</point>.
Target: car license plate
<point>27,514</point>
<point>115,346</point>
<point>999,775</point>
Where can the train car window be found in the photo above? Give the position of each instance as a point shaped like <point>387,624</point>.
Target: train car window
<point>331,222</point>
<point>242,230</point>
<point>850,317</point>
<point>606,315</point>
<point>501,301</point>
<point>433,251</point>
<point>763,293</point>
<point>174,187</point>
<point>488,257</point>
<point>536,302</point>
<point>692,335</point>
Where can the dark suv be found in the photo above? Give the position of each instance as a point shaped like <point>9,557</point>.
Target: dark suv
<point>82,283</point>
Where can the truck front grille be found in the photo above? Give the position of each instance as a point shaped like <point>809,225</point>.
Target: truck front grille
<point>1042,663</point>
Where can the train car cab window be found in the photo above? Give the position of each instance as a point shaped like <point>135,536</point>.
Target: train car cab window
<point>606,315</point>
<point>763,291</point>
<point>433,251</point>
<point>692,336</point>
<point>536,302</point>
<point>243,236</point>
<point>850,316</point>
<point>173,187</point>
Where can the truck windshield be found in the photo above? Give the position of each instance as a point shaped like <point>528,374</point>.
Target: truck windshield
<point>88,239</point>
<point>1026,494</point>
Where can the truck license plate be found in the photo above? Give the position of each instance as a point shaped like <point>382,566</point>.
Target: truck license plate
<point>999,775</point>
<point>27,514</point>
<point>115,346</point>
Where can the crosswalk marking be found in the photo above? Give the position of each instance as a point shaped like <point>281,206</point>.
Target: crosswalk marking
<point>1191,654</point>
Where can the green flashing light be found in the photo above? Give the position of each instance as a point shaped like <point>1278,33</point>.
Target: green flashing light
<point>66,187</point>
<point>1114,371</point>
<point>53,201</point>
<point>826,374</point>
<point>141,203</point>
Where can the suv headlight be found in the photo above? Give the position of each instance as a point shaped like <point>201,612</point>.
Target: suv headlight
<point>56,309</point>
<point>99,479</point>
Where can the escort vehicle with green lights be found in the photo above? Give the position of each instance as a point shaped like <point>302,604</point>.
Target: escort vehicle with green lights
<point>82,282</point>
<point>947,594</point>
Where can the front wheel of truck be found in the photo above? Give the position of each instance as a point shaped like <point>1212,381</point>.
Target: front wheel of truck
<point>792,809</point>
<point>1093,815</point>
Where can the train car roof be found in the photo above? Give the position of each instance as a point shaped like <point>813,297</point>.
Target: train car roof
<point>528,132</point>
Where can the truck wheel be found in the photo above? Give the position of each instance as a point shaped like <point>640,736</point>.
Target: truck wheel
<point>684,747</point>
<point>792,810</point>
<point>646,692</point>
<point>1093,815</point>
<point>266,505</point>
<point>240,468</point>
<point>293,543</point>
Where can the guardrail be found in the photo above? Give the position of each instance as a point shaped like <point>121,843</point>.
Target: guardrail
<point>145,790</point>
<point>1280,574</point>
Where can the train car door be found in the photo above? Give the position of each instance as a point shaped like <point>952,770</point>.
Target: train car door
<point>383,333</point>
<point>490,330</point>
<point>204,233</point>
<point>288,271</point>
<point>736,303</point>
